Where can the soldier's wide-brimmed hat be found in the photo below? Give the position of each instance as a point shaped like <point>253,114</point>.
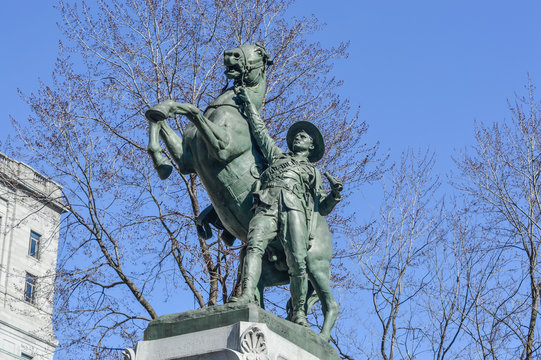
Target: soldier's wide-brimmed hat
<point>317,139</point>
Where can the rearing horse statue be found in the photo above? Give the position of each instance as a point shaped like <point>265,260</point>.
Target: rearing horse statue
<point>217,146</point>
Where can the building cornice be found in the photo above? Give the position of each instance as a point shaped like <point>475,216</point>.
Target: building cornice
<point>16,174</point>
<point>24,332</point>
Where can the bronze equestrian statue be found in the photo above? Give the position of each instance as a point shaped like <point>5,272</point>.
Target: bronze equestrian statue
<point>217,146</point>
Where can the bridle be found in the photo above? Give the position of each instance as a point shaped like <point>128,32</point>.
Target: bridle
<point>246,68</point>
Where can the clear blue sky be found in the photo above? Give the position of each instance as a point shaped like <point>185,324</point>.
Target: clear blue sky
<point>421,71</point>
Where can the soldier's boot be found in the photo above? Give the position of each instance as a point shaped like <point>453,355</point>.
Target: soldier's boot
<point>299,287</point>
<point>250,277</point>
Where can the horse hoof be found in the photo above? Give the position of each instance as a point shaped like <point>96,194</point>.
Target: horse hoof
<point>164,171</point>
<point>155,115</point>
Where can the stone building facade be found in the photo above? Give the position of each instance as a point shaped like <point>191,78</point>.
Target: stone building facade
<point>30,210</point>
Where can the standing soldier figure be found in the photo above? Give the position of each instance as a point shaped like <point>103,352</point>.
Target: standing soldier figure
<point>289,191</point>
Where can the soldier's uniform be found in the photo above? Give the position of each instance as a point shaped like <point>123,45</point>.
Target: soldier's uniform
<point>290,191</point>
<point>285,198</point>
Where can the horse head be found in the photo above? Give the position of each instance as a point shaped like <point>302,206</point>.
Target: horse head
<point>246,64</point>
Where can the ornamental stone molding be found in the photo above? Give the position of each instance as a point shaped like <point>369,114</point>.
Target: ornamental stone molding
<point>129,354</point>
<point>253,344</point>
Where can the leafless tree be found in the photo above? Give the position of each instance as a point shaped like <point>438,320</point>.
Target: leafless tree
<point>500,175</point>
<point>129,250</point>
<point>392,250</point>
<point>461,271</point>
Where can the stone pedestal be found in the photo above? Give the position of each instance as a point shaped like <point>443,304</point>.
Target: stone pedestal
<point>226,332</point>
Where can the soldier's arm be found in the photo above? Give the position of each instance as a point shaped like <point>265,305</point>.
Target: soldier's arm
<point>327,202</point>
<point>258,129</point>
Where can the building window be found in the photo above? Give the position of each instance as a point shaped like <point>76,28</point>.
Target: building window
<point>33,247</point>
<point>26,356</point>
<point>30,288</point>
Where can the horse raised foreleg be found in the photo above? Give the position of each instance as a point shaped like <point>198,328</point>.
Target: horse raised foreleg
<point>161,164</point>
<point>174,143</point>
<point>215,135</point>
<point>218,138</point>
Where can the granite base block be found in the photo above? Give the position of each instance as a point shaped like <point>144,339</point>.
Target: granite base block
<point>229,331</point>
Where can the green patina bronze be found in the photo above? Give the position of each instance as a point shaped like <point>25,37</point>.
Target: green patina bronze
<point>287,197</point>
<point>217,146</point>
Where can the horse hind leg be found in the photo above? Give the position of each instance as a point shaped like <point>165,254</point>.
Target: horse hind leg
<point>161,163</point>
<point>320,278</point>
